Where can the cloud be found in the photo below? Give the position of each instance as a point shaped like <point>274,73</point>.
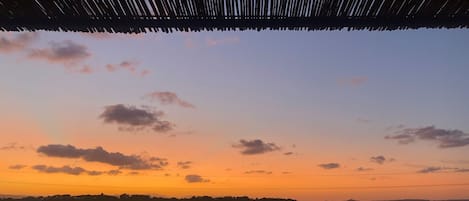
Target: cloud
<point>17,42</point>
<point>363,169</point>
<point>65,52</point>
<point>288,153</point>
<point>251,147</point>
<point>258,172</point>
<point>168,98</point>
<point>130,118</point>
<point>193,178</point>
<point>98,154</point>
<point>222,41</point>
<point>353,81</point>
<point>445,138</point>
<point>329,166</point>
<point>434,169</point>
<point>72,170</point>
<point>380,159</point>
<point>16,167</point>
<point>131,66</point>
<point>12,146</point>
<point>184,164</point>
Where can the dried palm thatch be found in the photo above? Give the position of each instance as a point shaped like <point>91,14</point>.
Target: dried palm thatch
<point>135,16</point>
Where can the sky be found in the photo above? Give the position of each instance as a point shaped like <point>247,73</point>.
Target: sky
<point>324,115</point>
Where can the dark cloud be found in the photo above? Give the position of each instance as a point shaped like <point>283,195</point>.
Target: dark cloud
<point>66,52</point>
<point>329,166</point>
<point>443,137</point>
<point>16,42</point>
<point>72,170</point>
<point>380,159</point>
<point>363,169</point>
<point>193,178</point>
<point>98,154</point>
<point>251,147</point>
<point>17,167</point>
<point>130,118</point>
<point>168,98</point>
<point>288,153</point>
<point>184,164</point>
<point>258,172</point>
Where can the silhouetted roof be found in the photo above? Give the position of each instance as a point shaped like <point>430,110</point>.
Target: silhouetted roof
<point>196,15</point>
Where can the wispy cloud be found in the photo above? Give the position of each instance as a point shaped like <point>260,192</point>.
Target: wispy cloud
<point>72,170</point>
<point>222,41</point>
<point>16,167</point>
<point>98,154</point>
<point>257,146</point>
<point>168,98</point>
<point>353,81</point>
<point>184,164</point>
<point>329,166</point>
<point>131,66</point>
<point>381,159</point>
<point>131,118</point>
<point>12,146</point>
<point>435,169</point>
<point>258,172</point>
<point>445,138</point>
<point>16,42</point>
<point>288,153</point>
<point>194,178</point>
<point>363,169</point>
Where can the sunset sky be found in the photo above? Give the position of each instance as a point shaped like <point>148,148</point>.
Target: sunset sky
<point>304,115</point>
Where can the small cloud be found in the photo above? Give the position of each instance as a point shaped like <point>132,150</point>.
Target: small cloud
<point>168,98</point>
<point>114,172</point>
<point>66,52</point>
<point>222,41</point>
<point>131,66</point>
<point>431,170</point>
<point>12,146</point>
<point>130,118</point>
<point>16,167</point>
<point>380,159</point>
<point>252,147</point>
<point>288,153</point>
<point>286,172</point>
<point>329,166</point>
<point>363,169</point>
<point>258,172</point>
<point>16,42</point>
<point>64,169</point>
<point>98,154</point>
<point>193,178</point>
<point>184,164</point>
<point>445,138</point>
<point>353,81</point>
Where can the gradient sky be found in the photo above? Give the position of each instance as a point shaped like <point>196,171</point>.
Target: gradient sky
<point>305,115</point>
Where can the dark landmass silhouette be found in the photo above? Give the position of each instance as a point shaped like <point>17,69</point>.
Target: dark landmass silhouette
<point>126,197</point>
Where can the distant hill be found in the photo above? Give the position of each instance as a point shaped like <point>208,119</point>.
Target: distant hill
<point>126,197</point>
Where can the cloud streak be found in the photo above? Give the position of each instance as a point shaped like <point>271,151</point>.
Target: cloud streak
<point>194,178</point>
<point>445,138</point>
<point>130,118</point>
<point>258,172</point>
<point>329,166</point>
<point>184,164</point>
<point>168,98</point>
<point>257,146</point>
<point>380,159</point>
<point>72,170</point>
<point>98,154</point>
